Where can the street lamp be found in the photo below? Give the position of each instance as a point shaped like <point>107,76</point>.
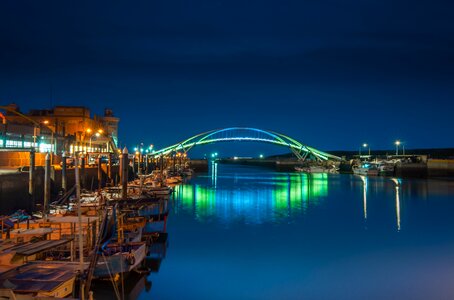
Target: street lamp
<point>52,146</point>
<point>365,145</point>
<point>397,146</point>
<point>97,134</point>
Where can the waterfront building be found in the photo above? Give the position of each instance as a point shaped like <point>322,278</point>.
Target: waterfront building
<point>61,128</point>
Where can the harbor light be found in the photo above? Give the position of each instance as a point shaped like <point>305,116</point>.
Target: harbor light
<point>261,155</point>
<point>365,145</point>
<point>397,146</point>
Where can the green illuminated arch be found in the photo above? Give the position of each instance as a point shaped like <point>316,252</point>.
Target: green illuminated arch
<point>235,134</point>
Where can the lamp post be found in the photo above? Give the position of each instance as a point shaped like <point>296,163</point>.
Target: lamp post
<point>140,159</point>
<point>46,122</point>
<point>83,139</point>
<point>147,156</point>
<point>54,134</point>
<point>35,135</point>
<point>397,143</point>
<point>97,134</point>
<point>365,145</point>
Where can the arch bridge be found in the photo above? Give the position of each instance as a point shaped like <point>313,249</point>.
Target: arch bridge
<point>247,134</point>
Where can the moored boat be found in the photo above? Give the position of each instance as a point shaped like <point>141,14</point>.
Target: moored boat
<point>368,169</point>
<point>38,279</point>
<point>386,169</point>
<point>317,169</point>
<point>116,259</point>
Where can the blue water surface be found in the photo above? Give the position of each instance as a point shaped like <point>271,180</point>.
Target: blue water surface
<point>251,233</point>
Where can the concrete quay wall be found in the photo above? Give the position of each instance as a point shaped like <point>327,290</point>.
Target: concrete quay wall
<point>16,159</point>
<point>440,167</point>
<point>199,165</point>
<point>14,186</point>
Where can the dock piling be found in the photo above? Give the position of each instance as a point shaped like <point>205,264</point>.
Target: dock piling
<point>134,165</point>
<point>31,174</point>
<point>79,216</point>
<point>82,171</point>
<point>99,159</point>
<point>124,165</point>
<point>109,169</point>
<point>46,185</point>
<point>63,172</point>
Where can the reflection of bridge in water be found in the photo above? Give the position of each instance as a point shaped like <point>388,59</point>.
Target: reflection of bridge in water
<point>279,197</point>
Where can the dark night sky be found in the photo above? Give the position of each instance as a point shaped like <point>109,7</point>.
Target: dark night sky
<point>330,73</point>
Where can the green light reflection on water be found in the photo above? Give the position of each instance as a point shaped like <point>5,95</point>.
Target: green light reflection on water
<point>256,199</point>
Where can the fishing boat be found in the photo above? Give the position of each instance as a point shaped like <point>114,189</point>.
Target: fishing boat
<point>174,180</point>
<point>13,254</point>
<point>119,258</point>
<point>317,169</point>
<point>38,279</point>
<point>186,172</point>
<point>117,253</point>
<point>386,169</point>
<point>367,169</point>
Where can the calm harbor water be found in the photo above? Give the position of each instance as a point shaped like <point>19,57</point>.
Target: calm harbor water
<point>251,233</point>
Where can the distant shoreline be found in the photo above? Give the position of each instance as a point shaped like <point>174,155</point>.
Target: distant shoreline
<point>439,153</point>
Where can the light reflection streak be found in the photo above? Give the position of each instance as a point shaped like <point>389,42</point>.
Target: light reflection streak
<point>365,180</point>
<point>274,198</point>
<point>397,188</point>
<point>214,173</point>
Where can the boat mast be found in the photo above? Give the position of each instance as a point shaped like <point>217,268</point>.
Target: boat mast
<point>79,215</point>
